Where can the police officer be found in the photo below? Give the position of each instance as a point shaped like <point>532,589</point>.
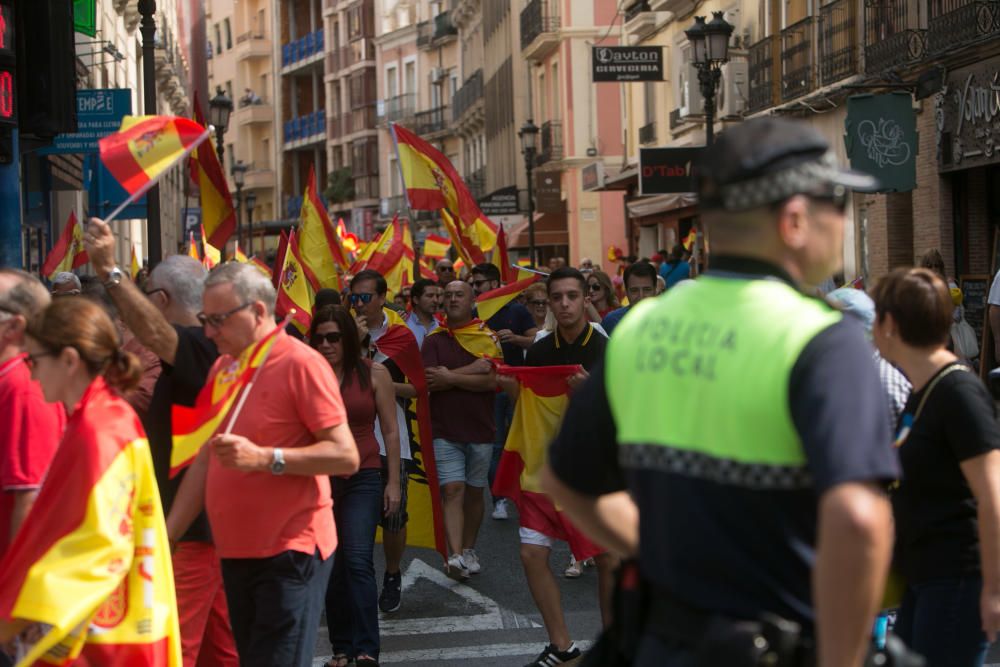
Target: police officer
<point>735,440</point>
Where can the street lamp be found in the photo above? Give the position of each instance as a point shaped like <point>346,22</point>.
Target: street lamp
<point>219,109</point>
<point>238,171</point>
<point>709,52</point>
<point>251,202</point>
<point>147,28</point>
<point>529,148</point>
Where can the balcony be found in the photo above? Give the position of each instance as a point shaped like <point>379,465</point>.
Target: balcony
<point>893,36</point>
<point>425,34</point>
<point>302,52</point>
<point>430,122</point>
<point>468,96</point>
<point>258,178</point>
<point>761,71</point>
<point>361,118</point>
<point>551,142</point>
<point>838,41</point>
<point>252,45</point>
<point>647,133</point>
<point>365,187</point>
<point>539,29</point>
<point>399,108</point>
<point>956,23</point>
<point>305,130</point>
<point>254,114</point>
<point>390,206</point>
<point>797,76</point>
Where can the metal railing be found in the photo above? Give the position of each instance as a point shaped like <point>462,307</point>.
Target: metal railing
<point>399,107</point>
<point>635,9</point>
<point>470,93</point>
<point>425,33</point>
<point>893,35</point>
<point>647,133</point>
<point>838,41</point>
<point>428,122</point>
<point>761,72</point>
<point>444,26</point>
<point>537,18</point>
<point>551,142</point>
<point>247,36</point>
<point>302,48</point>
<point>797,59</point>
<point>305,127</point>
<point>955,23</point>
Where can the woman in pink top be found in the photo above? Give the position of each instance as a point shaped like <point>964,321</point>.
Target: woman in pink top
<point>358,501</point>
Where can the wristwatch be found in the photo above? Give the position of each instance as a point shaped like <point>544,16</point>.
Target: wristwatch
<point>114,278</point>
<point>277,461</point>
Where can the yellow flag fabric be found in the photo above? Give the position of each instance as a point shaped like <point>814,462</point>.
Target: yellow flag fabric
<point>475,338</point>
<point>67,253</point>
<point>295,292</point>
<point>146,146</point>
<point>319,246</point>
<point>134,267</point>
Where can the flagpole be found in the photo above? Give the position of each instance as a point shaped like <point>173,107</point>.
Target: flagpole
<point>409,211</point>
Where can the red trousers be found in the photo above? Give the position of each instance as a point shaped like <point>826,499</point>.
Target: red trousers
<point>206,636</point>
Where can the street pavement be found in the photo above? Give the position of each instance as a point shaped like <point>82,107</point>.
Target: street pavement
<point>490,620</point>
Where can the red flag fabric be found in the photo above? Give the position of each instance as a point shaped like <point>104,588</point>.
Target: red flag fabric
<point>67,253</point>
<point>279,259</point>
<point>217,212</point>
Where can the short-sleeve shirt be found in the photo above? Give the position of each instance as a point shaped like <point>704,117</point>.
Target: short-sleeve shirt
<point>935,511</point>
<point>30,431</point>
<point>993,298</point>
<point>259,514</point>
<point>554,350</point>
<point>674,272</point>
<point>420,332</point>
<point>178,384</point>
<point>612,319</point>
<point>456,414</point>
<point>515,317</point>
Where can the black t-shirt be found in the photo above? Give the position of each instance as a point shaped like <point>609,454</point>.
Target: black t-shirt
<point>515,317</point>
<point>935,511</point>
<point>178,384</point>
<point>553,350</point>
<point>735,549</point>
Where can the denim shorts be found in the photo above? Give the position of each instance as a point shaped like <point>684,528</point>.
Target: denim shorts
<point>462,462</point>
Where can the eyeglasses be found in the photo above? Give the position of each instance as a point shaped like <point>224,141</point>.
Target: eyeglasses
<point>72,292</point>
<point>151,292</point>
<point>331,338</point>
<point>837,198</point>
<point>31,359</point>
<point>594,287</point>
<point>218,320</point>
<point>355,299</point>
<point>444,269</point>
<point>538,302</point>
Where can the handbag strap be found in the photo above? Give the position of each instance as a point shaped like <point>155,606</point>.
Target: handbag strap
<point>955,366</point>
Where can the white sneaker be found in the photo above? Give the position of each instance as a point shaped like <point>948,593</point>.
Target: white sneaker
<point>589,562</point>
<point>456,568</point>
<point>500,509</point>
<point>471,561</point>
<point>574,570</point>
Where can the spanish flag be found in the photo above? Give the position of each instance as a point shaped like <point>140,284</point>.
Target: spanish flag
<point>67,253</point>
<point>319,244</point>
<point>295,292</point>
<point>468,253</point>
<point>436,247</point>
<point>391,254</point>
<point>260,265</point>
<point>475,338</point>
<point>90,568</point>
<point>279,258</point>
<point>213,256</point>
<point>501,260</point>
<point>134,267</point>
<point>194,426</point>
<point>241,256</point>
<point>146,147</point>
<point>427,268</point>
<point>217,212</point>
<point>193,247</point>
<point>690,239</point>
<point>489,303</point>
<point>541,404</point>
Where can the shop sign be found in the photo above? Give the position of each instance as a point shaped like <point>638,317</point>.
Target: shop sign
<point>881,139</point>
<point>85,17</point>
<point>548,192</point>
<point>627,63</point>
<point>968,117</point>
<point>593,176</point>
<point>500,202</point>
<point>667,170</point>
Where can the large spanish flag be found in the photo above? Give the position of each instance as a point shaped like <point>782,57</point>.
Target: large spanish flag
<point>475,338</point>
<point>90,567</point>
<point>488,303</point>
<point>218,215</point>
<point>146,147</point>
<point>391,254</point>
<point>295,292</point>
<point>319,244</point>
<point>436,247</point>
<point>67,253</point>
<point>194,426</point>
<point>541,404</point>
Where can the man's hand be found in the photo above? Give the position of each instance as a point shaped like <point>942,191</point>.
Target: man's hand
<point>438,378</point>
<point>391,497</point>
<point>235,451</point>
<point>100,245</point>
<point>574,381</point>
<point>505,335</point>
<point>362,323</point>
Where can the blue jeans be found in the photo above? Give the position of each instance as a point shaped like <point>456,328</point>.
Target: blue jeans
<point>352,596</point>
<point>503,415</point>
<point>940,620</point>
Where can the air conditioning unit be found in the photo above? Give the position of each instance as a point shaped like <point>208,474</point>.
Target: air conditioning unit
<point>383,207</point>
<point>438,74</point>
<point>734,89</point>
<point>691,101</point>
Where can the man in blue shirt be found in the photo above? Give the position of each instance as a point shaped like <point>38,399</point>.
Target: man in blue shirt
<point>675,269</point>
<point>640,283</point>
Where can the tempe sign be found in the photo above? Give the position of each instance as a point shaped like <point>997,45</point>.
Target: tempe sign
<point>627,63</point>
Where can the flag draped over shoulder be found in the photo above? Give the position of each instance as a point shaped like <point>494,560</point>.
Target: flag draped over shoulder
<point>319,245</point>
<point>426,524</point>
<point>218,214</point>
<point>488,303</point>
<point>295,291</point>
<point>194,426</point>
<point>475,338</point>
<point>91,564</point>
<point>541,404</point>
<point>67,253</point>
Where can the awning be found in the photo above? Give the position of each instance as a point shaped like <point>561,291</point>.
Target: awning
<point>550,230</point>
<point>644,206</point>
<point>623,180</point>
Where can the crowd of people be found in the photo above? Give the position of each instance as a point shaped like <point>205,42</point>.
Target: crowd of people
<point>740,422</point>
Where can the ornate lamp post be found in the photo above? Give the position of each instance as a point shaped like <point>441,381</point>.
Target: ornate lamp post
<point>220,108</point>
<point>238,171</point>
<point>147,27</point>
<point>710,51</point>
<point>529,148</point>
<point>251,201</point>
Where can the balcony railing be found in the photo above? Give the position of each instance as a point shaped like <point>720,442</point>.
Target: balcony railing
<point>536,19</point>
<point>305,127</point>
<point>425,33</point>
<point>467,96</point>
<point>838,42</point>
<point>552,143</point>
<point>399,108</point>
<point>761,72</point>
<point>893,35</point>
<point>635,9</point>
<point>647,133</point>
<point>302,48</point>
<point>797,77</point>
<point>429,122</point>
<point>955,23</point>
<point>443,26</point>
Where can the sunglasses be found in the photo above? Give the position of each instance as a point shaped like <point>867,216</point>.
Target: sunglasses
<point>355,299</point>
<point>331,338</point>
<point>218,320</point>
<point>594,287</point>
<point>443,269</point>
<point>538,302</point>
<point>837,198</point>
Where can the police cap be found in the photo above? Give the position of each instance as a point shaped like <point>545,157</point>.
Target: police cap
<point>767,160</point>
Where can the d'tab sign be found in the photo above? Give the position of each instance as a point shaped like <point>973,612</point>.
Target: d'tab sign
<point>628,63</point>
<point>667,170</point>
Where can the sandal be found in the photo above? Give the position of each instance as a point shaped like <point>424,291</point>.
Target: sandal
<point>365,661</point>
<point>338,660</point>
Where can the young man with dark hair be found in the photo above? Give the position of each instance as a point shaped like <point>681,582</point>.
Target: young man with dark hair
<point>675,269</point>
<point>425,300</point>
<point>640,283</point>
<point>516,329</point>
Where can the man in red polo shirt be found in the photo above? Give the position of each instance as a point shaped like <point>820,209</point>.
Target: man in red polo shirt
<point>30,428</point>
<point>265,485</point>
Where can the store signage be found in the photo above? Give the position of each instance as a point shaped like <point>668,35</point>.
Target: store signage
<point>548,192</point>
<point>85,17</point>
<point>968,117</point>
<point>99,113</point>
<point>500,202</point>
<point>592,176</point>
<point>627,63</point>
<point>667,170</point>
<point>881,138</point>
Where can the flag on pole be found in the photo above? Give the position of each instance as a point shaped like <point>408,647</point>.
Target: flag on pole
<point>319,246</point>
<point>427,268</point>
<point>501,260</point>
<point>690,239</point>
<point>134,267</point>
<point>213,256</point>
<point>489,303</point>
<point>348,240</point>
<point>67,253</point>
<point>295,292</point>
<point>470,255</point>
<point>279,258</point>
<point>391,254</point>
<point>193,247</point>
<point>475,338</point>
<point>436,247</point>
<point>541,404</point>
<point>218,214</point>
<point>240,256</point>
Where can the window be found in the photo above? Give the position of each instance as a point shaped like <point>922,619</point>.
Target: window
<point>542,107</point>
<point>649,95</point>
<point>229,90</point>
<point>261,23</point>
<point>218,39</point>
<point>229,35</point>
<point>556,107</point>
<point>264,162</point>
<point>263,93</point>
<point>410,77</point>
<point>231,156</point>
<point>391,82</point>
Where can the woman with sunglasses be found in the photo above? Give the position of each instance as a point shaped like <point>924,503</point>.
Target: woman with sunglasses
<point>537,302</point>
<point>947,505</point>
<point>358,500</point>
<point>99,505</point>
<point>602,296</point>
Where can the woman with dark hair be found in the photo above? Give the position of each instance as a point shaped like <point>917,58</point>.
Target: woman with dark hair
<point>98,507</point>
<point>947,506</point>
<point>602,295</point>
<point>358,500</point>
